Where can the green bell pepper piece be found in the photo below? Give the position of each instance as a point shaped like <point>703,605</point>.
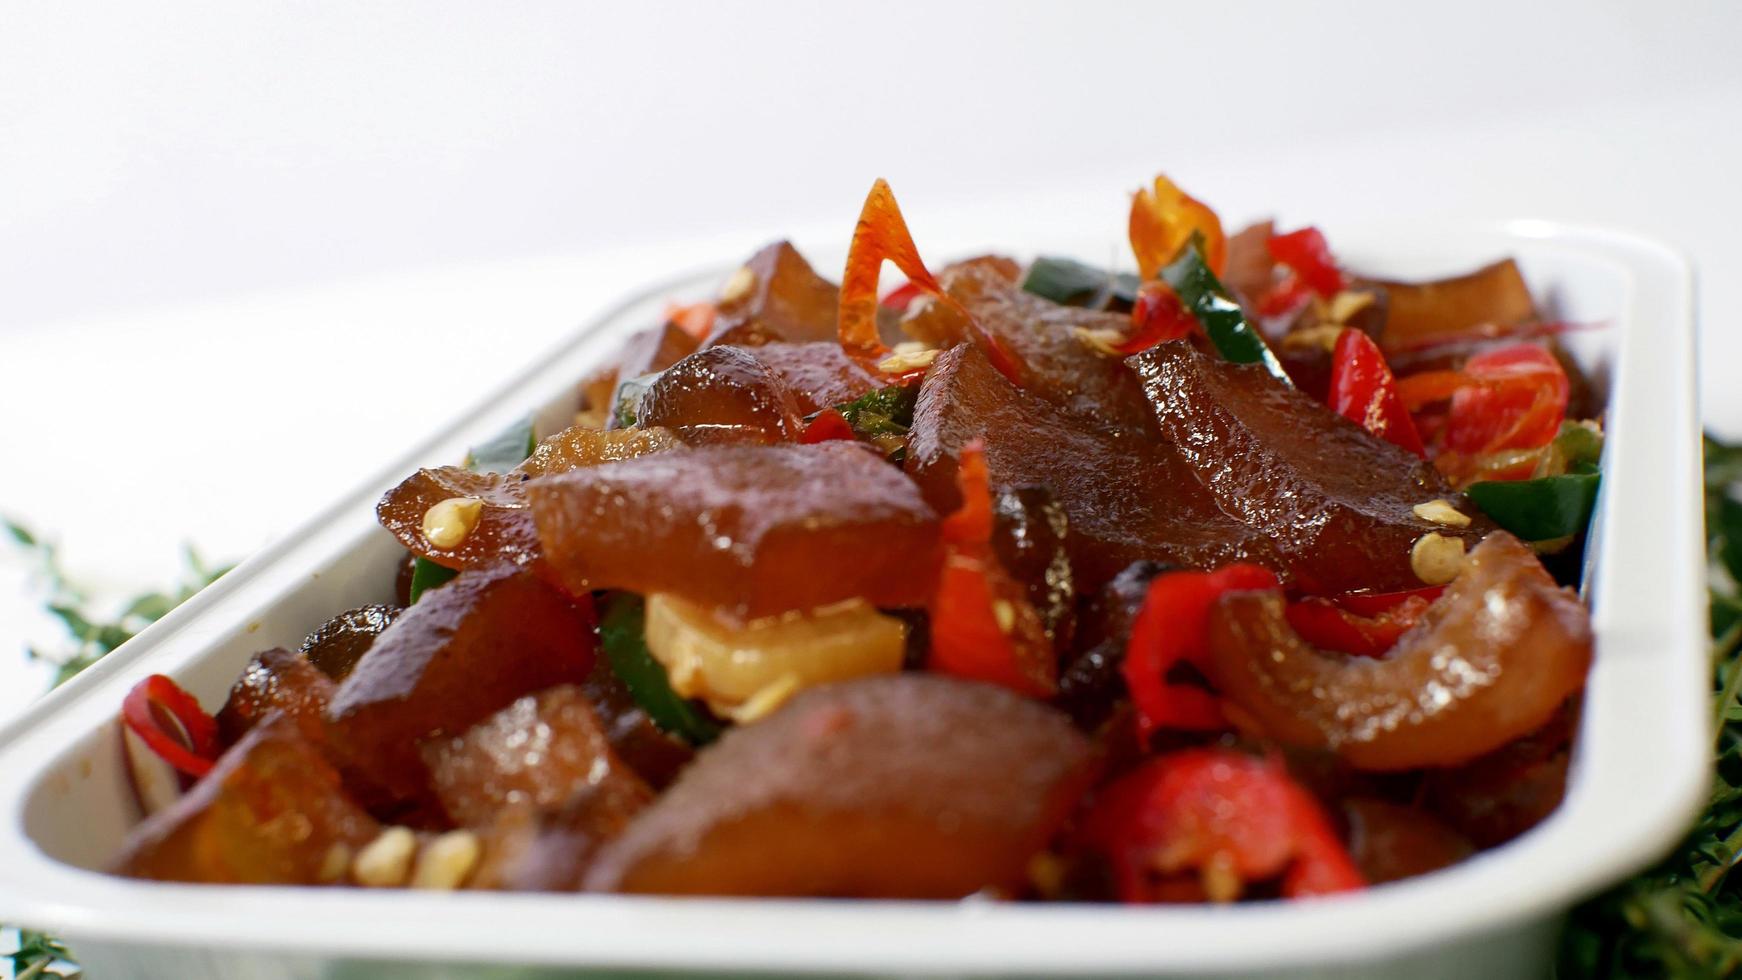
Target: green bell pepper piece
<point>623,635</point>
<point>1073,283</point>
<point>1542,509</point>
<point>1222,319</point>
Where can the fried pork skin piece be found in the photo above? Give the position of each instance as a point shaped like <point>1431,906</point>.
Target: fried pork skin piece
<point>504,531</point>
<point>1495,294</point>
<point>1335,499</point>
<point>463,652</point>
<point>775,296</point>
<point>1127,496</point>
<point>1041,337</point>
<point>1493,659</point>
<point>752,394</point>
<point>749,530</point>
<point>901,786</point>
<point>336,645</point>
<point>543,750</point>
<point>271,812</point>
<point>277,680</point>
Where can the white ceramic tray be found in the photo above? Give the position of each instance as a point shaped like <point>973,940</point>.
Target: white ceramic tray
<point>1639,770</point>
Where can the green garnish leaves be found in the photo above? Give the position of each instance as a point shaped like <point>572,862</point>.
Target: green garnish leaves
<point>1072,283</point>
<point>1201,293</point>
<point>881,417</point>
<point>1683,917</point>
<point>623,635</point>
<point>506,450</point>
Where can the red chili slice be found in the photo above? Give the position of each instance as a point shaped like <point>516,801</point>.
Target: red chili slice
<point>172,724</point>
<point>1362,624</point>
<point>1172,628</point>
<point>1309,255</point>
<point>829,425</point>
<point>969,637</point>
<point>1362,390</point>
<point>1233,818</point>
<point>1157,316</point>
<point>881,235</point>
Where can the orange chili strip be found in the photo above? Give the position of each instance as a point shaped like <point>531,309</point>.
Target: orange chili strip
<point>1163,220</point>
<point>882,235</point>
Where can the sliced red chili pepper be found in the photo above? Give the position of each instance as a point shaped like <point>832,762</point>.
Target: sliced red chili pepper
<point>696,319</point>
<point>1509,398</point>
<point>1157,316</point>
<point>1519,403</point>
<point>1362,390</point>
<point>1365,625</point>
<point>828,425</point>
<point>1232,818</point>
<point>1172,629</point>
<point>969,636</point>
<point>898,298</point>
<point>1163,220</point>
<point>881,235</point>
<point>1309,255</point>
<point>171,723</point>
<point>1285,297</point>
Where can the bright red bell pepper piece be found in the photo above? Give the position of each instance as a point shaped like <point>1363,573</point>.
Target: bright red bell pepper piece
<point>829,425</point>
<point>1157,316</point>
<point>1309,255</point>
<point>1171,629</point>
<point>1284,297</point>
<point>1232,818</point>
<point>1362,624</point>
<point>881,235</point>
<point>1362,390</point>
<point>969,638</point>
<point>172,724</point>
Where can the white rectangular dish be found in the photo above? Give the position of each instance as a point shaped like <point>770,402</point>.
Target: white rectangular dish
<point>1640,766</point>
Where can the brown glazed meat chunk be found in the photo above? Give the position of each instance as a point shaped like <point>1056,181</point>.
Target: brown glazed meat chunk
<point>1128,497</point>
<point>504,532</point>
<point>1390,842</point>
<point>277,680</point>
<point>463,652</point>
<point>1041,338</point>
<point>340,642</point>
<point>646,352</point>
<point>1335,499</point>
<point>271,812</point>
<point>1491,660</point>
<point>1091,685</point>
<point>1496,797</point>
<point>1495,294</point>
<point>655,756</point>
<point>818,374</point>
<point>786,300</point>
<point>722,395</point>
<point>542,750</point>
<point>900,786</point>
<point>751,530</point>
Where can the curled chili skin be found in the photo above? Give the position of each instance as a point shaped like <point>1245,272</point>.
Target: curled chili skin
<point>1491,660</point>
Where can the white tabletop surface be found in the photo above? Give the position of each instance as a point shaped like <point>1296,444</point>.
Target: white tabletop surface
<point>245,252</point>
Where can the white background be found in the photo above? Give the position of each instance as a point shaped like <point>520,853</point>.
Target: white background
<point>246,252</point>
